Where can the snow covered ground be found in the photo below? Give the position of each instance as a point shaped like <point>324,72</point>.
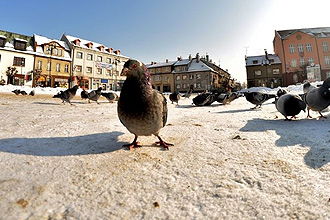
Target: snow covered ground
<point>228,162</point>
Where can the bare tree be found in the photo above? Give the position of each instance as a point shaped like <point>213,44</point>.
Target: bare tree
<point>11,71</point>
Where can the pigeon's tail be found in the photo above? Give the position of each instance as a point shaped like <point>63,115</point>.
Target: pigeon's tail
<point>58,95</point>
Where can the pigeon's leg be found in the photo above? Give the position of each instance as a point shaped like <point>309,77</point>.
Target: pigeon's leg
<point>97,102</point>
<point>134,144</point>
<point>293,117</point>
<point>321,116</point>
<point>308,115</point>
<point>163,143</point>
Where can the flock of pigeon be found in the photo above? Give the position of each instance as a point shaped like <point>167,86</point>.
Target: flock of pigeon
<point>143,110</point>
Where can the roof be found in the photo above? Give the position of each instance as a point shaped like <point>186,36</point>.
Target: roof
<point>41,40</point>
<point>95,45</point>
<point>182,62</point>
<point>316,32</point>
<point>169,63</point>
<point>261,60</point>
<point>198,66</point>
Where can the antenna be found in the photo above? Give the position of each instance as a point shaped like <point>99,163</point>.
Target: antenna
<point>246,50</point>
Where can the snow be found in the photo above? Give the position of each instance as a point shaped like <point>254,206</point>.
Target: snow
<point>228,162</point>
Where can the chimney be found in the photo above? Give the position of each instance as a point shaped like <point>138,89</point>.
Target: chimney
<point>179,58</point>
<point>190,57</point>
<point>266,54</point>
<point>166,60</point>
<point>198,57</point>
<point>207,57</point>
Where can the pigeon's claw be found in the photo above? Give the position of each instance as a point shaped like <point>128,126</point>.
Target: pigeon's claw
<point>163,143</point>
<point>134,144</point>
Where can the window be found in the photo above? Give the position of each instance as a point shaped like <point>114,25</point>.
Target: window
<point>292,49</point>
<point>166,78</point>
<point>58,67</point>
<point>20,45</point>
<point>178,77</point>
<point>177,69</point>
<point>109,72</point>
<point>108,60</point>
<point>295,78</point>
<point>327,74</point>
<point>198,85</point>
<point>78,68</point>
<point>309,47</point>
<point>178,86</point>
<point>89,69</point>
<point>184,86</point>
<point>99,70</point>
<point>184,68</point>
<point>66,68</point>
<point>310,61</point>
<point>191,76</point>
<point>276,71</point>
<point>300,48</point>
<point>184,77</point>
<point>327,60</point>
<point>19,61</point>
<point>99,58</point>
<point>79,55</point>
<point>257,72</point>
<point>325,46</point>
<point>166,68</point>
<point>89,56</point>
<point>2,42</point>
<point>48,66</point>
<point>59,52</point>
<point>158,78</point>
<point>198,76</point>
<point>151,70</point>
<point>301,61</point>
<point>39,65</point>
<point>255,61</point>
<point>293,63</point>
<point>54,51</point>
<point>158,70</point>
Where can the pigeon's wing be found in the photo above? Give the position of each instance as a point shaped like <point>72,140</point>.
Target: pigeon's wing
<point>91,94</point>
<point>65,95</point>
<point>164,108</point>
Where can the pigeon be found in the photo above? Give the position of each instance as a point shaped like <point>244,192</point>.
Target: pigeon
<point>67,95</point>
<point>94,95</point>
<point>204,99</point>
<point>189,92</point>
<point>290,105</point>
<point>84,94</point>
<point>110,96</point>
<point>307,87</point>
<point>226,98</point>
<point>175,97</point>
<point>281,92</point>
<point>141,109</point>
<point>32,93</point>
<point>318,98</point>
<point>16,91</point>
<point>257,98</point>
<point>23,92</point>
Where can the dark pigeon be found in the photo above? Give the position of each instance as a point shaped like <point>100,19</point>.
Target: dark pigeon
<point>67,95</point>
<point>318,99</point>
<point>110,96</point>
<point>141,109</point>
<point>257,98</point>
<point>204,99</point>
<point>16,91</point>
<point>290,105</point>
<point>32,93</point>
<point>84,94</point>
<point>175,97</point>
<point>94,95</point>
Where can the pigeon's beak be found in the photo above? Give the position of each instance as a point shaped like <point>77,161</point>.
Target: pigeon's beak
<point>124,72</point>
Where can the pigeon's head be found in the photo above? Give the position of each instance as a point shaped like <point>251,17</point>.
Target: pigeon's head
<point>326,83</point>
<point>136,69</point>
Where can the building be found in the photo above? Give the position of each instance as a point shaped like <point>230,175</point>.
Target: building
<point>264,70</point>
<point>181,74</point>
<point>52,59</point>
<point>16,51</point>
<point>94,65</point>
<point>304,54</point>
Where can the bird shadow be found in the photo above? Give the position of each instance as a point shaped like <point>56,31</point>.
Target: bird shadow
<point>197,106</point>
<point>63,146</point>
<point>311,133</point>
<point>235,111</point>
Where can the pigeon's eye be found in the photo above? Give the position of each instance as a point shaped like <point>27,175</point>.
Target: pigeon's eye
<point>134,66</point>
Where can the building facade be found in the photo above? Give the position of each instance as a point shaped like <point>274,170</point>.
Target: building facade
<point>95,65</point>
<point>181,74</point>
<point>52,59</point>
<point>16,51</point>
<point>305,54</point>
<point>264,70</point>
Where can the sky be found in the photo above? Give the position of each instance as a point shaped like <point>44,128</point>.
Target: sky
<point>156,30</point>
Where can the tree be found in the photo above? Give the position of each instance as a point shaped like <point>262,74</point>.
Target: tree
<point>11,71</point>
<point>36,74</point>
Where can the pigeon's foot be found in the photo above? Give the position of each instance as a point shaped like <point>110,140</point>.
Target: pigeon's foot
<point>163,143</point>
<point>134,144</point>
<point>321,116</point>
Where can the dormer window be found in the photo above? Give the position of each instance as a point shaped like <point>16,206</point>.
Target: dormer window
<point>2,41</point>
<point>101,48</point>
<point>77,42</point>
<point>255,61</point>
<point>90,45</point>
<point>110,50</point>
<point>20,44</point>
<point>117,52</point>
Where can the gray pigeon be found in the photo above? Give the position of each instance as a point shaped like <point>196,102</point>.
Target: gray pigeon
<point>290,105</point>
<point>94,95</point>
<point>189,92</point>
<point>257,98</point>
<point>110,96</point>
<point>175,97</point>
<point>318,98</point>
<point>141,109</point>
<point>67,95</point>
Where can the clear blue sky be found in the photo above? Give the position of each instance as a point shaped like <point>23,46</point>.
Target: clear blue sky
<point>155,30</point>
